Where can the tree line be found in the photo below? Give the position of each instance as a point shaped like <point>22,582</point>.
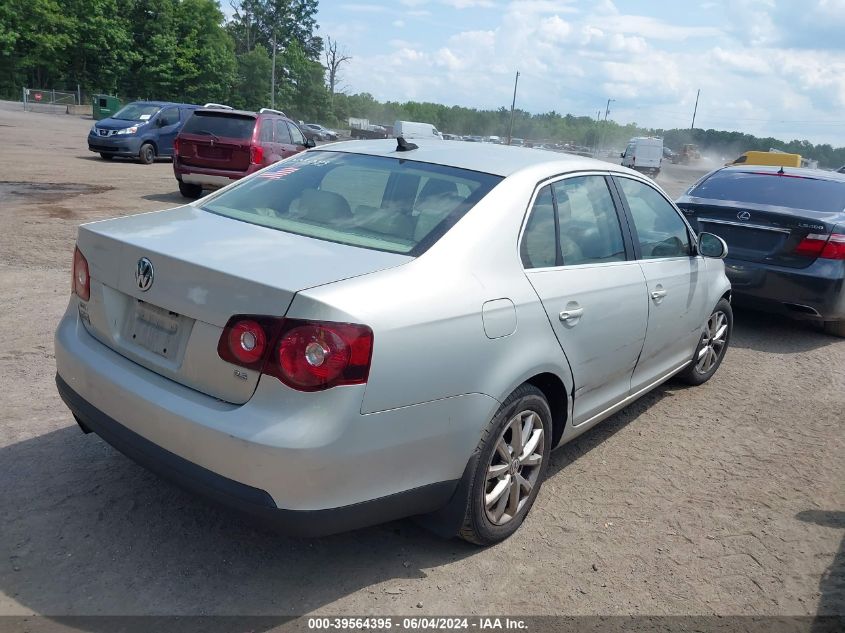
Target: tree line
<point>179,50</point>
<point>553,127</point>
<point>186,50</point>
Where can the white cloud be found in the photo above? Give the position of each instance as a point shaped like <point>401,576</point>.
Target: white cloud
<point>573,62</point>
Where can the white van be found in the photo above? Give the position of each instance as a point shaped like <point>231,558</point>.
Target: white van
<point>645,154</point>
<point>413,129</point>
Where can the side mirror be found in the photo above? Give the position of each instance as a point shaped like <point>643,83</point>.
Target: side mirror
<point>622,155</point>
<point>710,245</point>
<point>309,142</point>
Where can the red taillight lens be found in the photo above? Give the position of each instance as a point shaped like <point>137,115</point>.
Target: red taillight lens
<point>306,355</point>
<point>256,154</point>
<point>313,355</point>
<point>81,279</point>
<point>814,245</point>
<point>176,146</point>
<point>245,340</point>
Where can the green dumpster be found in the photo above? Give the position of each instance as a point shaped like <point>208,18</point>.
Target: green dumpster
<point>105,106</point>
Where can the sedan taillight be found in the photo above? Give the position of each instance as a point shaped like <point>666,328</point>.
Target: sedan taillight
<point>81,282</point>
<point>826,247</point>
<point>305,355</point>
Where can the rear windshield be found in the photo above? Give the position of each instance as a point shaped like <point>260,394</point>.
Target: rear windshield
<point>387,204</point>
<point>220,124</point>
<point>796,192</point>
<point>136,112</point>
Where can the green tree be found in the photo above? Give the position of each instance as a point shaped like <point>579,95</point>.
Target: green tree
<point>252,86</point>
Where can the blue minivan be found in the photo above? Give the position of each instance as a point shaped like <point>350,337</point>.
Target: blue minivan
<point>142,129</point>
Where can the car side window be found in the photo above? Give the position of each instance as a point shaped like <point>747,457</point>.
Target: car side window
<point>539,242</point>
<point>169,116</point>
<point>282,134</point>
<point>589,227</point>
<point>266,133</point>
<point>296,135</point>
<point>660,230</point>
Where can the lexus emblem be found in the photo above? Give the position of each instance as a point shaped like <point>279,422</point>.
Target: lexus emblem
<point>743,215</point>
<point>144,273</point>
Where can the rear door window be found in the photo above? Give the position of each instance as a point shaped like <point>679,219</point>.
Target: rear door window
<point>770,188</point>
<point>590,232</point>
<point>220,125</point>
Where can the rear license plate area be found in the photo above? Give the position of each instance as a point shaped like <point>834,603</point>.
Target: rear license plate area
<point>154,329</point>
<point>212,152</point>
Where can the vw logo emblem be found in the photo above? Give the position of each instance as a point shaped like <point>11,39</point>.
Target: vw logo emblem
<point>144,273</point>
<point>743,215</point>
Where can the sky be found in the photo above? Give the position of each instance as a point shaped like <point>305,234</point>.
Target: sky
<point>766,67</point>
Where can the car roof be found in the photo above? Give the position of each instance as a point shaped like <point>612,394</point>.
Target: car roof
<point>161,104</point>
<point>500,160</point>
<point>804,172</point>
<point>224,111</point>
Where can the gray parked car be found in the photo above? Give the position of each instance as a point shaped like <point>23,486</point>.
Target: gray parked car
<point>369,330</point>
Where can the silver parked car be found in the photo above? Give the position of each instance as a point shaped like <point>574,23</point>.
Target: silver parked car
<point>374,330</point>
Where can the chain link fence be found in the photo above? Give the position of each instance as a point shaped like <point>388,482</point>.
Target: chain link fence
<point>49,100</point>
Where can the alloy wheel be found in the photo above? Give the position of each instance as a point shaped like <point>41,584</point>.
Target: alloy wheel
<point>514,467</point>
<point>712,342</point>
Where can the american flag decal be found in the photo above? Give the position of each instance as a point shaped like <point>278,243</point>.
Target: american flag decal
<point>281,173</point>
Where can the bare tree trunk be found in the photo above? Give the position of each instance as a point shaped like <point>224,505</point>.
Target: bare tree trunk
<point>334,59</point>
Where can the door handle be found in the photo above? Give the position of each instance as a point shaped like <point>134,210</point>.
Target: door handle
<point>570,314</point>
<point>658,294</point>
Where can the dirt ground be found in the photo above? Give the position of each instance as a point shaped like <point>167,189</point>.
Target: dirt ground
<point>723,499</point>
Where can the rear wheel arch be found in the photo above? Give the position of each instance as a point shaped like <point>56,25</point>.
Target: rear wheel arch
<point>555,392</point>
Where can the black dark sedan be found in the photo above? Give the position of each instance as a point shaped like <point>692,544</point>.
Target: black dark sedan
<point>785,230</point>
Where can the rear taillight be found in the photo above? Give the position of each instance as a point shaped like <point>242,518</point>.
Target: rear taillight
<point>256,154</point>
<point>81,285</point>
<point>176,146</point>
<point>305,355</point>
<point>826,247</point>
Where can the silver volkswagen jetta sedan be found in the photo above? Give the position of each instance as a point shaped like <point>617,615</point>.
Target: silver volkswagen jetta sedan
<point>374,330</point>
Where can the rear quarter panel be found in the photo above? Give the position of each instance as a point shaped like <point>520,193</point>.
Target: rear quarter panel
<point>429,337</point>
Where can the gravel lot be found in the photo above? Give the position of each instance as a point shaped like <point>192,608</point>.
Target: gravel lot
<point>723,499</point>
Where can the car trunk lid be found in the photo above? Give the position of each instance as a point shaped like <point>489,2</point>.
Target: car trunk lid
<point>204,269</point>
<point>759,233</point>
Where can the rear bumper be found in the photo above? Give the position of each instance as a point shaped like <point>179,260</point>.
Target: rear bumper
<point>295,458</point>
<point>816,292</point>
<point>207,177</point>
<point>253,501</point>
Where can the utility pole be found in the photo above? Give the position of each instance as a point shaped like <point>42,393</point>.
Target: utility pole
<point>695,109</point>
<point>273,74</point>
<point>513,105</point>
<point>607,108</point>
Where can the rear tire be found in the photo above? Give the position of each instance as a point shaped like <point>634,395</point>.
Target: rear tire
<point>190,190</point>
<point>712,346</point>
<point>835,328</point>
<point>510,468</point>
<point>105,156</point>
<point>147,153</point>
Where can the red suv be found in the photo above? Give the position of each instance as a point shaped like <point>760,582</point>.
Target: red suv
<point>218,146</point>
